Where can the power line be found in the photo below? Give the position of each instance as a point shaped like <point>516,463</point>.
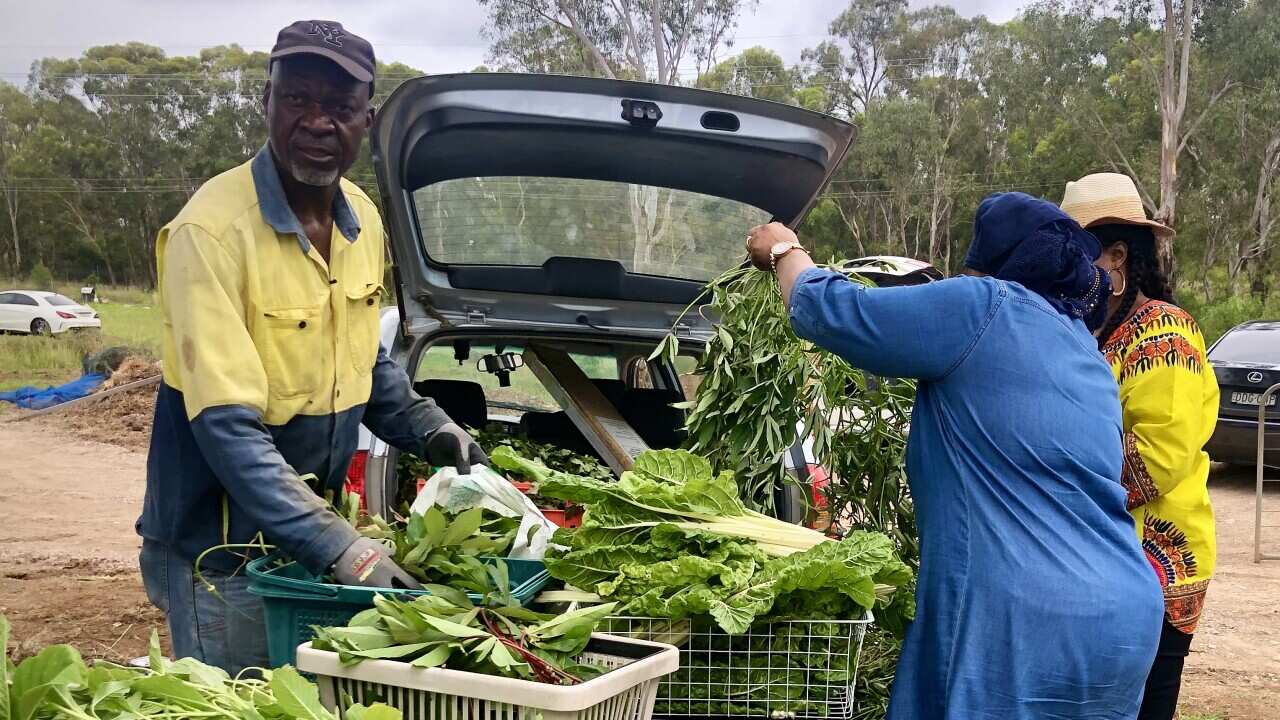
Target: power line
<point>376,43</point>
<point>237,74</point>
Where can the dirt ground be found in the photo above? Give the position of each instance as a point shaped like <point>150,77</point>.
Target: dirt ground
<point>68,563</point>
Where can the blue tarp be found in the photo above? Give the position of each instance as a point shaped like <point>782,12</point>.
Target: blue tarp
<point>33,398</point>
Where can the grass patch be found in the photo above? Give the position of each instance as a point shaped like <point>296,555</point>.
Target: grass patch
<point>43,361</point>
<point>140,326</point>
<point>525,389</point>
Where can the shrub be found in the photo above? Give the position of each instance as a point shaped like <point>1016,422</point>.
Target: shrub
<point>40,278</point>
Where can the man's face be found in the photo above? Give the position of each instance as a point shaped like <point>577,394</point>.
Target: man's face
<point>317,116</point>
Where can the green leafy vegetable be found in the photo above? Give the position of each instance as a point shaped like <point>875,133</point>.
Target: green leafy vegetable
<point>410,468</point>
<point>435,548</point>
<point>759,381</point>
<point>495,436</point>
<point>56,683</point>
<point>672,540</point>
<point>665,487</point>
<point>296,696</point>
<point>446,630</point>
<point>4,669</point>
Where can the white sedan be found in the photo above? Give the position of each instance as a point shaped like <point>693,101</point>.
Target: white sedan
<point>43,313</point>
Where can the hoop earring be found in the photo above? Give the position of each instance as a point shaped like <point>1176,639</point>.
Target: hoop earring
<point>1123,285</point>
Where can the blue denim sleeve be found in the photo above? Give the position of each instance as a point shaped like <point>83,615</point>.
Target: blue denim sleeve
<point>396,413</point>
<point>243,455</point>
<point>920,331</point>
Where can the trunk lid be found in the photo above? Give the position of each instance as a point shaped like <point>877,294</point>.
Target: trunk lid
<point>555,202</point>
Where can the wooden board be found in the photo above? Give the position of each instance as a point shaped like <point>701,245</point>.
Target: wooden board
<point>600,422</point>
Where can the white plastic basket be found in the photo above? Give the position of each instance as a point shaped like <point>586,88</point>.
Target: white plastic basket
<point>626,692</point>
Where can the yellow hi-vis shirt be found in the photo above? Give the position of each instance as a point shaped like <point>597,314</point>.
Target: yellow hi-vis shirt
<point>271,364</point>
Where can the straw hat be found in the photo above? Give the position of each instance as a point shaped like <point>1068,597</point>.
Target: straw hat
<point>1108,199</point>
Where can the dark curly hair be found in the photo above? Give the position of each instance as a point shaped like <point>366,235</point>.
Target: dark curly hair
<point>1143,274</point>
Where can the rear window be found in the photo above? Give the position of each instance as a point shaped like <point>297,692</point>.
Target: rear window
<point>525,393</point>
<point>59,300</point>
<point>1258,346</point>
<point>525,221</point>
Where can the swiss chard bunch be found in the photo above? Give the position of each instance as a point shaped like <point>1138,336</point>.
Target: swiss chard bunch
<point>446,630</point>
<point>57,683</point>
<point>672,540</point>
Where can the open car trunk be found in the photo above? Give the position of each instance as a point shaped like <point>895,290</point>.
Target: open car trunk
<point>554,201</point>
<point>456,369</point>
<point>576,211</point>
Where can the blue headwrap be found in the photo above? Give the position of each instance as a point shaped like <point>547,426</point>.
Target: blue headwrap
<point>1026,240</point>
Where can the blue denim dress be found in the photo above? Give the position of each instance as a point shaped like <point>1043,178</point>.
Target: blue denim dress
<point>1034,598</point>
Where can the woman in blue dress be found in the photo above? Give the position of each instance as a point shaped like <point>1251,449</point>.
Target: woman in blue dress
<point>1034,599</point>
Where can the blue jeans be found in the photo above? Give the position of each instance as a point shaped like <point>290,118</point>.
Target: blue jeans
<point>225,629</point>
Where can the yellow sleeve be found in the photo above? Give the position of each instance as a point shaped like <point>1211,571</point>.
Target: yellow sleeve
<point>202,290</point>
<point>1161,391</point>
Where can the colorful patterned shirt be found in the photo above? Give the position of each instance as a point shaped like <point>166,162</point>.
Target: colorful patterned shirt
<point>1169,397</point>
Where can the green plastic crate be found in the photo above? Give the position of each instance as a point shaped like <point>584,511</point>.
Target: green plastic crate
<point>294,600</point>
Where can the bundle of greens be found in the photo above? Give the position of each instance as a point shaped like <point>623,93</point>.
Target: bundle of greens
<point>759,380</point>
<point>56,683</point>
<point>670,539</point>
<point>438,548</point>
<point>410,468</point>
<point>556,458</point>
<point>446,630</point>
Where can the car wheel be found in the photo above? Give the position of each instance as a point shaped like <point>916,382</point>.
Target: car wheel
<point>40,326</point>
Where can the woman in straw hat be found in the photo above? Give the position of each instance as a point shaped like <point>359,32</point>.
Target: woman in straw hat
<point>1169,399</point>
<point>1034,599</point>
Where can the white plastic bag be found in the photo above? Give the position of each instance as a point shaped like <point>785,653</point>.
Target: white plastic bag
<point>487,489</point>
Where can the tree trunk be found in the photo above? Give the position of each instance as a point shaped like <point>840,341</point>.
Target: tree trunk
<point>11,204</point>
<point>575,27</point>
<point>1173,104</point>
<point>665,75</point>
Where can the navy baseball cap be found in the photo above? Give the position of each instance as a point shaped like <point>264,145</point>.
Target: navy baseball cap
<point>329,40</point>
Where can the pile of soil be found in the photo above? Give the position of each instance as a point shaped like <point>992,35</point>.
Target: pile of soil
<point>124,419</point>
<point>133,368</point>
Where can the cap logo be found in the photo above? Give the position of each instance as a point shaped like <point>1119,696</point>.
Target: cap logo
<point>331,34</point>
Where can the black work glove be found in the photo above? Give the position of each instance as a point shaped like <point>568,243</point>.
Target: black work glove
<point>368,563</point>
<point>451,446</point>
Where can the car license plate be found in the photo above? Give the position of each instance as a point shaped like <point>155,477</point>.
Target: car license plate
<point>1244,398</point>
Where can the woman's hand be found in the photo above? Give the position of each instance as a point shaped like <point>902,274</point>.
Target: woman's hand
<point>761,240</point>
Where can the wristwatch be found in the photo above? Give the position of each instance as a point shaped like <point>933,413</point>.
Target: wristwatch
<point>777,251</point>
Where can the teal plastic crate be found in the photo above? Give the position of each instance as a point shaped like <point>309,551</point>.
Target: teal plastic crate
<point>294,599</point>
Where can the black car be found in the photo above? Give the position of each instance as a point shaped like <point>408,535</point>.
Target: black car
<point>1246,362</point>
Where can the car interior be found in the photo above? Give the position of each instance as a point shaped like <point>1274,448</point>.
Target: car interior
<point>484,384</point>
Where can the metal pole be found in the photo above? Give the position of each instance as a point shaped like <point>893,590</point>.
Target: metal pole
<point>1261,469</point>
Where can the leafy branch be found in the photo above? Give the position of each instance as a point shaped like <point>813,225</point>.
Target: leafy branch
<point>760,382</point>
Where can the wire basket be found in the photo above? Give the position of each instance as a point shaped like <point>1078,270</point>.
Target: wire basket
<point>625,692</point>
<point>783,670</point>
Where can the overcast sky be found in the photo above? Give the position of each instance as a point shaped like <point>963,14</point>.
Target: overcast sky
<point>433,35</point>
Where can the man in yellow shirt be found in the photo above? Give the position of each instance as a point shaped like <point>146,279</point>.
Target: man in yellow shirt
<point>270,283</point>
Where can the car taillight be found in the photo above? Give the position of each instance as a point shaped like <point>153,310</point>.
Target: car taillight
<point>819,479</point>
<point>66,315</point>
<point>355,475</point>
